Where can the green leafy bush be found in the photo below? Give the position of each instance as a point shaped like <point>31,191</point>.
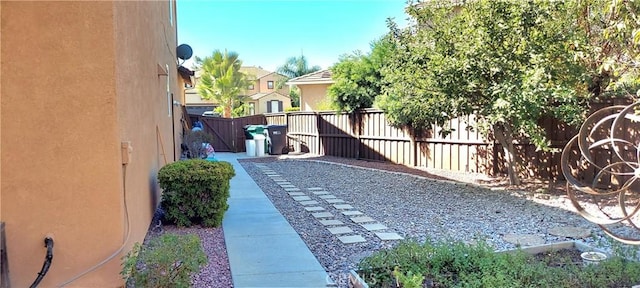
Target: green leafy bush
<point>168,261</point>
<point>291,109</point>
<point>195,191</point>
<point>455,264</point>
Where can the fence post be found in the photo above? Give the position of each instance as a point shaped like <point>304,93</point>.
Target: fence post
<point>358,131</point>
<point>413,158</point>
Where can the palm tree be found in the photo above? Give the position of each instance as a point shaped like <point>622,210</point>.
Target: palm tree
<point>295,67</point>
<point>222,80</point>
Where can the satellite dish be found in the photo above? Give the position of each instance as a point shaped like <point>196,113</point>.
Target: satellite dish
<point>184,51</point>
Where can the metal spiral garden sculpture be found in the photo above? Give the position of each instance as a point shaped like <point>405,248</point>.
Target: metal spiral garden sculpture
<point>602,168</point>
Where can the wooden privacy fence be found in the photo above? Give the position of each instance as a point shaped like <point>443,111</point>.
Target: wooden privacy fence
<point>367,135</point>
<point>228,133</point>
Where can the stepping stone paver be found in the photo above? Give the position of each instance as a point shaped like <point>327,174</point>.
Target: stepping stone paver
<point>291,189</point>
<point>340,230</point>
<point>296,194</point>
<point>331,222</point>
<point>329,196</point>
<point>374,226</point>
<point>314,208</point>
<point>352,213</point>
<point>322,215</point>
<point>301,198</point>
<point>274,175</point>
<point>309,202</point>
<point>287,186</point>
<point>388,236</point>
<point>334,201</point>
<point>523,239</point>
<point>570,232</point>
<point>362,219</point>
<point>282,181</point>
<point>351,239</point>
<point>342,206</point>
<point>315,189</point>
<point>320,192</point>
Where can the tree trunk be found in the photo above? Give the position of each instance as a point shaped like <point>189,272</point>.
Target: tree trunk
<point>504,135</point>
<point>227,109</point>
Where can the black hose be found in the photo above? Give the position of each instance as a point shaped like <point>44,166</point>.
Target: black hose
<point>48,242</point>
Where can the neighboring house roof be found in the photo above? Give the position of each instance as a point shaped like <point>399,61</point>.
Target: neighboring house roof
<point>260,95</point>
<point>318,77</point>
<point>258,72</point>
<point>186,74</point>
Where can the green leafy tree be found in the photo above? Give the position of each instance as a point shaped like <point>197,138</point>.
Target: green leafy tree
<point>611,29</point>
<point>358,78</point>
<point>508,63</point>
<point>292,68</point>
<point>222,80</point>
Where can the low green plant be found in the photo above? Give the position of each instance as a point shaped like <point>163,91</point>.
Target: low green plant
<point>195,191</point>
<point>408,280</point>
<point>291,109</point>
<point>167,261</point>
<point>456,264</point>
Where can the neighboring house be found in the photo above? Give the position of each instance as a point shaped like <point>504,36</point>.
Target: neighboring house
<point>194,103</point>
<point>313,88</point>
<point>273,102</point>
<point>262,94</point>
<point>90,113</point>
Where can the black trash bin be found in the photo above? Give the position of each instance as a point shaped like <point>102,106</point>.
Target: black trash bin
<point>278,139</point>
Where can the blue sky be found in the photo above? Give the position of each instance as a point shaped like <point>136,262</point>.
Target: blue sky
<point>266,33</point>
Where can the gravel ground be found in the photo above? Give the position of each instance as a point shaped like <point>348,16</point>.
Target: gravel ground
<point>217,272</point>
<point>414,207</point>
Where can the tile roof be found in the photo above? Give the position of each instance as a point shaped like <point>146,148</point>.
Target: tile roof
<point>257,72</point>
<point>260,95</point>
<point>318,77</point>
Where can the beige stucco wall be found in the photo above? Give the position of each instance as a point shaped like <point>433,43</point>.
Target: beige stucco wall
<point>61,148</point>
<point>311,95</point>
<point>261,106</point>
<point>193,98</point>
<point>264,88</point>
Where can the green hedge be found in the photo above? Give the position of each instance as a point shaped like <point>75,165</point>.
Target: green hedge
<point>195,191</point>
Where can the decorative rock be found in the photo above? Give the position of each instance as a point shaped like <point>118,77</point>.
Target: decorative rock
<point>570,232</point>
<point>310,202</point>
<point>343,206</point>
<point>351,239</point>
<point>352,213</point>
<point>523,239</point>
<point>322,215</point>
<point>333,201</point>
<point>301,198</point>
<point>362,219</point>
<point>331,222</point>
<point>374,226</point>
<point>314,208</point>
<point>388,236</point>
<point>340,230</point>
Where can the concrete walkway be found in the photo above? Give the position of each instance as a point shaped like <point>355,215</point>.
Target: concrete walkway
<point>264,250</point>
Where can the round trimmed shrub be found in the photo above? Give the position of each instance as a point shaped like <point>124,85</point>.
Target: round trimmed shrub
<point>195,191</point>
